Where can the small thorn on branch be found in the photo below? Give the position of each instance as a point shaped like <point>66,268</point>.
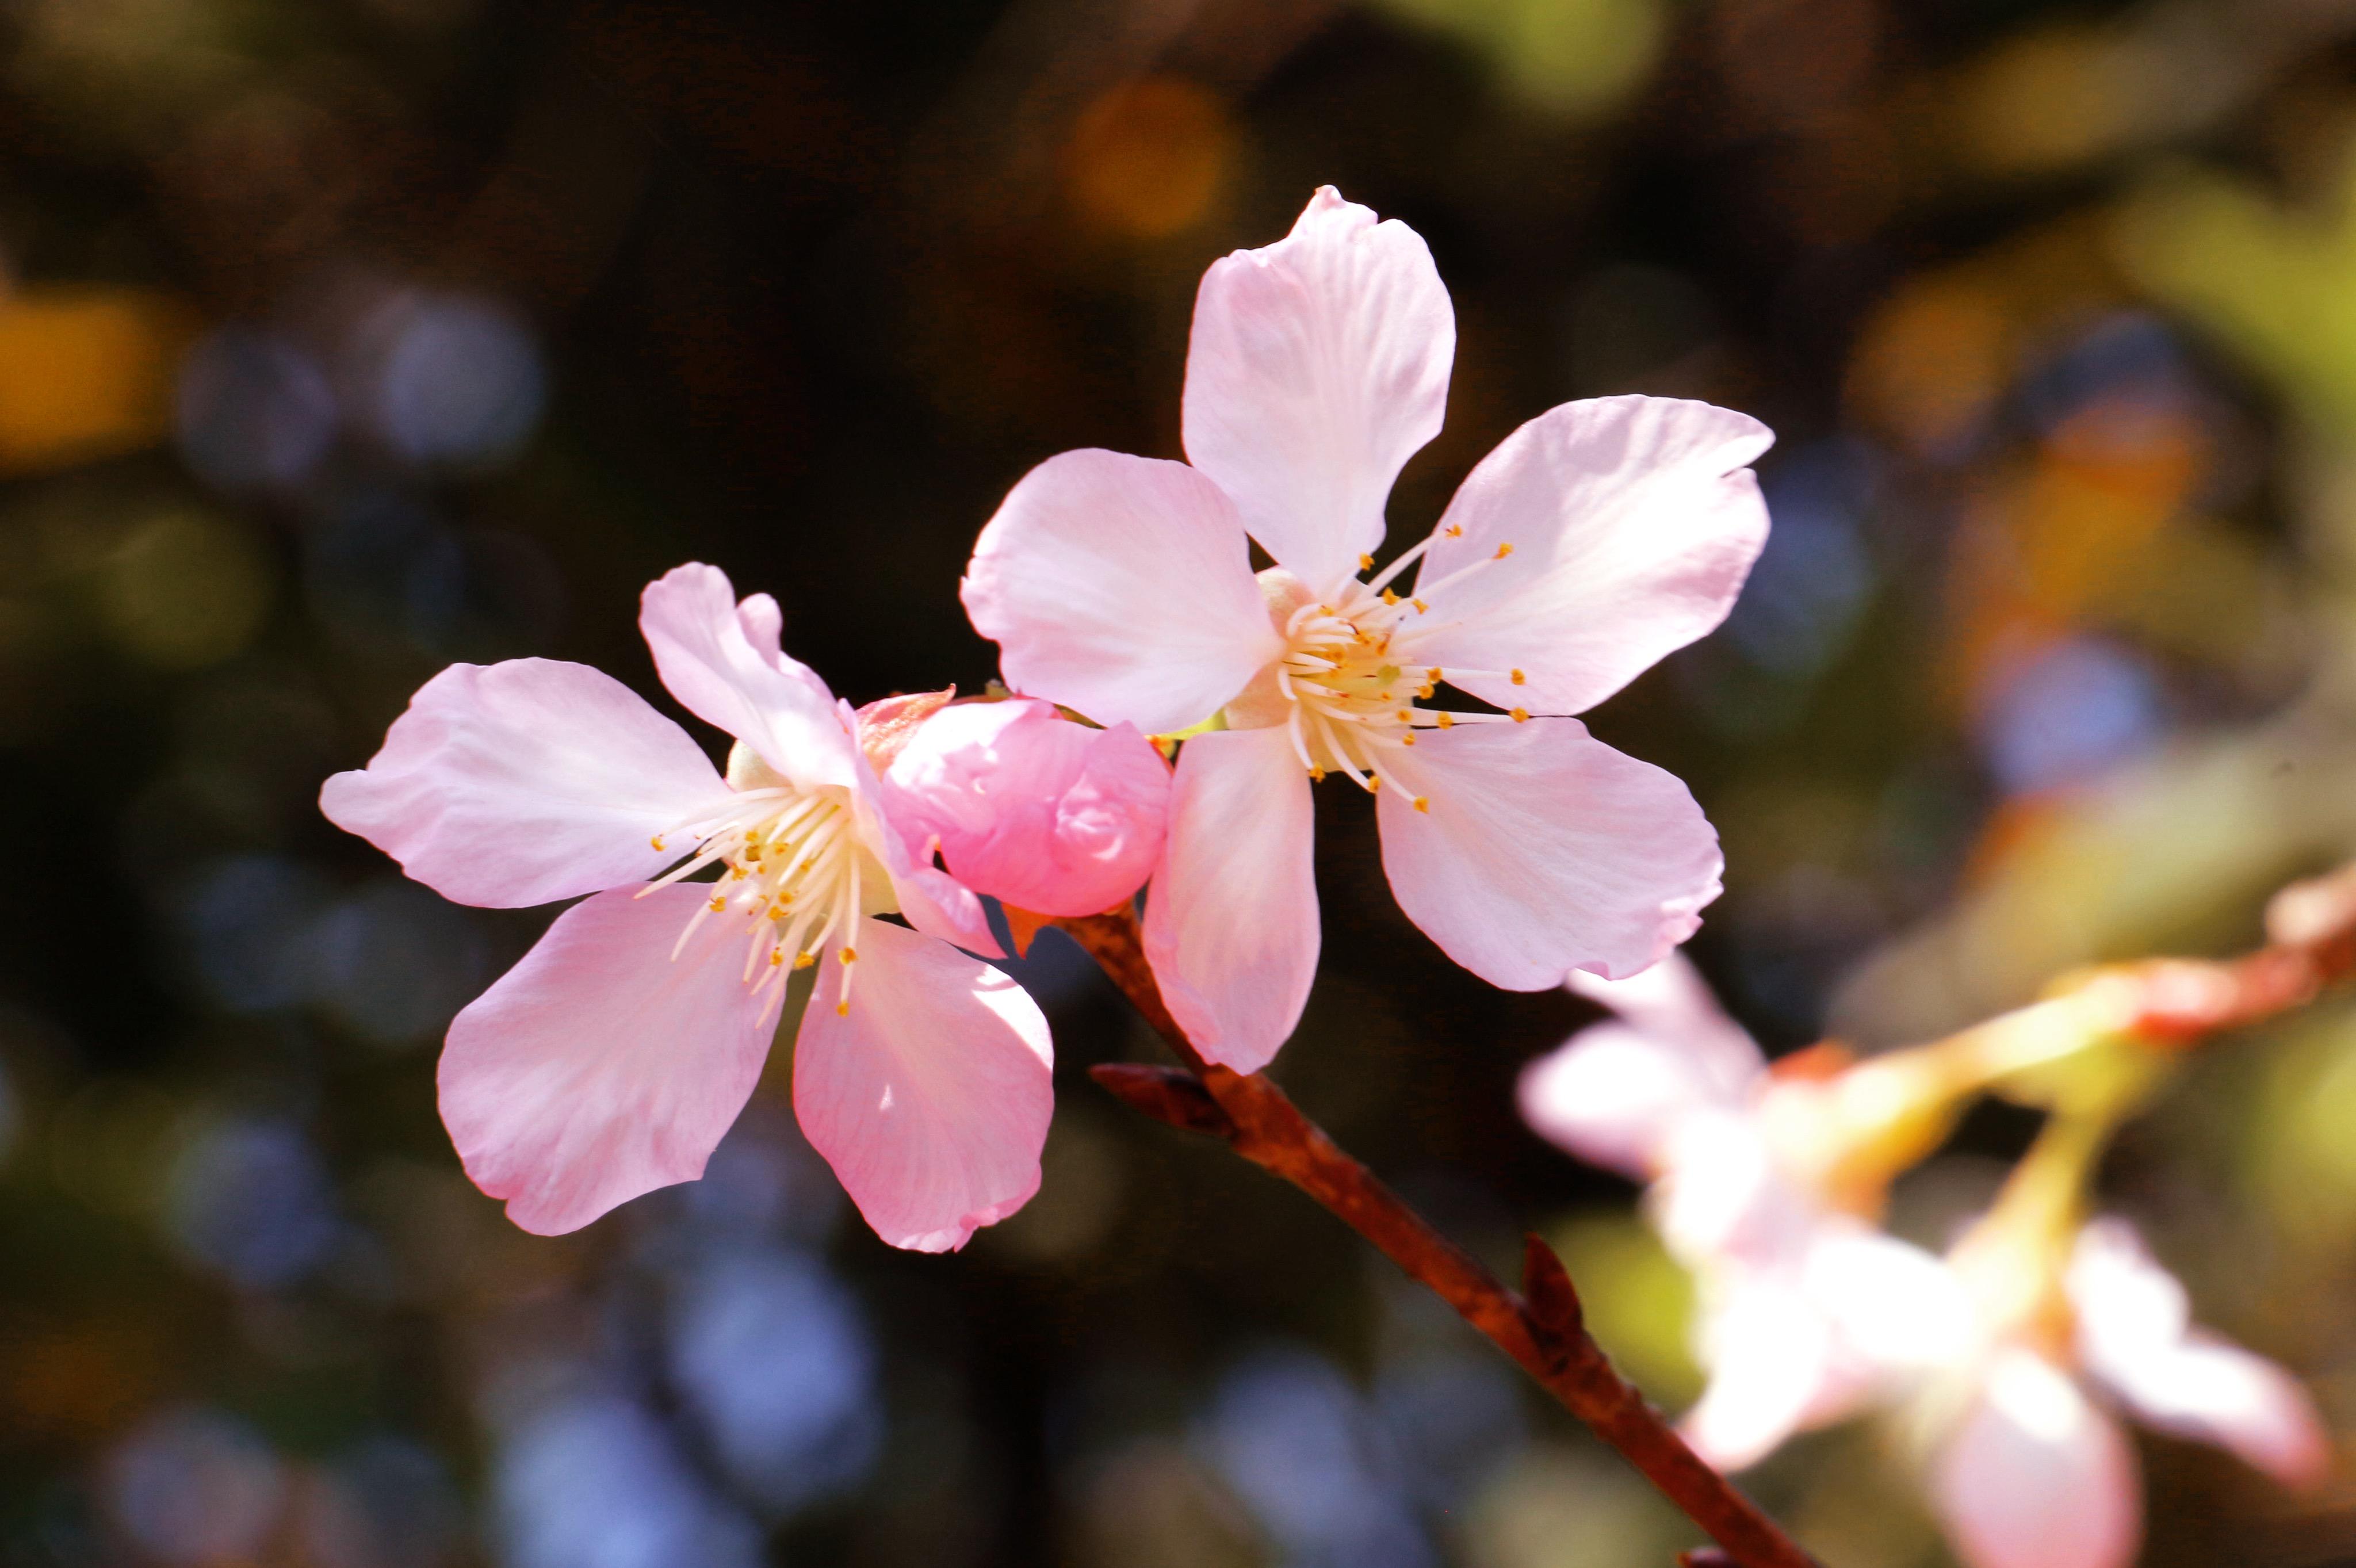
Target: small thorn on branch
<point>1547,1291</point>
<point>1169,1095</point>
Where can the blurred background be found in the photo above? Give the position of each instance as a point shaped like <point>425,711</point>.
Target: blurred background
<point>340,340</point>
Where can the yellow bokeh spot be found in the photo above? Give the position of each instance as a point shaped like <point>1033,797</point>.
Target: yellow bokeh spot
<point>85,372</point>
<point>1575,58</point>
<point>184,589</point>
<point>1147,158</point>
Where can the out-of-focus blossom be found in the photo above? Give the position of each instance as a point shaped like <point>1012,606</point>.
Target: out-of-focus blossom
<point>1030,808</point>
<point>1807,1312</point>
<point>1810,1315</point>
<point>1596,539</point>
<point>611,1060</point>
<point>2027,1468</point>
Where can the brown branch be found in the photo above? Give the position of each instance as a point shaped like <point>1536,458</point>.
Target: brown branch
<point>1541,1328</point>
<point>2310,944</point>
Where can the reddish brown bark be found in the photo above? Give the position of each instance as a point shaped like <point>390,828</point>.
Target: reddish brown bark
<point>1540,1327</point>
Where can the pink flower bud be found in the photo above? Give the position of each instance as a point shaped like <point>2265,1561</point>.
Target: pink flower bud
<point>1030,808</point>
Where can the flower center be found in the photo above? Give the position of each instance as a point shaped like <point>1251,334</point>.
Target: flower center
<point>1347,687</point>
<point>795,875</point>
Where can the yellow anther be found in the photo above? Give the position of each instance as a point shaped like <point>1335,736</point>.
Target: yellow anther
<point>1503,551</point>
<point>1404,716</point>
<point>1521,715</point>
<point>736,874</point>
<point>1419,606</point>
<point>656,842</point>
<point>1315,774</point>
<point>1390,595</point>
<point>718,903</point>
<point>1423,804</point>
<point>1373,782</point>
<point>1365,563</point>
<point>843,1009</point>
<point>1433,673</point>
<point>1455,531</point>
<point>776,958</point>
<point>1448,721</point>
<point>1519,679</point>
<point>803,961</point>
<point>1425,692</point>
<point>849,956</point>
<point>1407,739</point>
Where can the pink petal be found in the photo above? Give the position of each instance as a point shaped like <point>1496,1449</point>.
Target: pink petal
<point>931,1097</point>
<point>2035,1476</point>
<point>1121,587</point>
<point>1540,850</point>
<point>1633,521</point>
<point>1673,1004</point>
<point>2134,1336</point>
<point>1317,367</point>
<point>1231,919</point>
<point>600,1067</point>
<point>1896,1310</point>
<point>1611,1095</point>
<point>723,664</point>
<point>524,783</point>
<point>1723,1195</point>
<point>935,902</point>
<point>1769,1350</point>
<point>1032,809</point>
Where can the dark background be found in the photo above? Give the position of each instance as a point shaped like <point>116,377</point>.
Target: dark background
<point>340,340</point>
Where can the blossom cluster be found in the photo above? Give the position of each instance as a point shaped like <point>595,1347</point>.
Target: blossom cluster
<point>1996,1359</point>
<point>1187,648</point>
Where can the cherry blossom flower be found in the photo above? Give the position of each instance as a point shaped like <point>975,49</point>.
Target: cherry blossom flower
<point>1808,1314</point>
<point>2027,1469</point>
<point>1594,539</point>
<point>611,1060</point>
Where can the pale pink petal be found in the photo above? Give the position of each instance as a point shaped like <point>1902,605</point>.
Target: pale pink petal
<point>2212,1391</point>
<point>1611,1094</point>
<point>599,1067</point>
<point>1633,522</point>
<point>2134,1336</point>
<point>1317,367</point>
<point>935,902</point>
<point>1231,919</point>
<point>1673,1004</point>
<point>1537,850</point>
<point>1769,1350</point>
<point>2034,1477</point>
<point>1030,808</point>
<point>524,783</point>
<point>705,650</point>
<point>929,1097</point>
<point>1897,1311</point>
<point>1121,587</point>
<point>1723,1195</point>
